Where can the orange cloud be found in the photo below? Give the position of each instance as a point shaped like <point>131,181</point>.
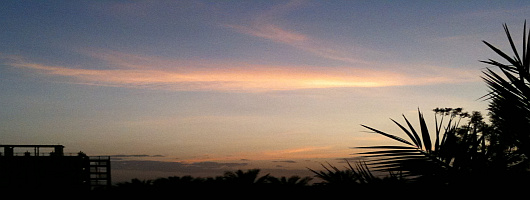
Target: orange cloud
<point>301,153</point>
<point>135,71</point>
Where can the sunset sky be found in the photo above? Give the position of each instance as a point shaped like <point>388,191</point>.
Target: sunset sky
<point>223,85</point>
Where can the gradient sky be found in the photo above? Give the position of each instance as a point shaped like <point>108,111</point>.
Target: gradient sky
<point>231,84</point>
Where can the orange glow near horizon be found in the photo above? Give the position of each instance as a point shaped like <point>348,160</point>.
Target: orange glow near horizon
<point>303,153</point>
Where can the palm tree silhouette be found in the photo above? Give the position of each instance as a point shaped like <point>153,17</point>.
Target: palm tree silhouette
<point>476,151</point>
<point>457,150</point>
<point>291,181</point>
<point>509,97</point>
<point>332,175</point>
<point>248,177</point>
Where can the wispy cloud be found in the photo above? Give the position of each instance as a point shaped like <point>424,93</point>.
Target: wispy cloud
<point>274,33</point>
<point>264,25</point>
<point>135,156</point>
<point>135,71</point>
<point>298,40</point>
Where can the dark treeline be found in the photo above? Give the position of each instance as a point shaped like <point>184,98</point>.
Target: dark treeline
<point>330,179</point>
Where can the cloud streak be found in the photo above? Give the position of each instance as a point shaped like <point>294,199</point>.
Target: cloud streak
<point>135,71</point>
<point>300,41</point>
<point>290,154</point>
<point>264,26</point>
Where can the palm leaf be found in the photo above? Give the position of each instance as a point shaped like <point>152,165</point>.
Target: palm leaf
<point>514,49</point>
<point>425,133</point>
<point>525,48</point>
<point>399,139</point>
<point>413,136</point>
<point>502,54</point>
<point>418,139</point>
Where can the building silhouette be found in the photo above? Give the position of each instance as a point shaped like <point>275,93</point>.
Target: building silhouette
<point>34,170</point>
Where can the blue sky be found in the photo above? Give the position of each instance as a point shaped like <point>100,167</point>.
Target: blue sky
<point>273,84</point>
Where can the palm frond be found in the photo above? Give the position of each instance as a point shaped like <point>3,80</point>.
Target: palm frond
<point>510,93</point>
<point>416,136</point>
<point>425,133</point>
<point>358,174</point>
<point>427,160</point>
<point>412,135</point>
<point>399,139</point>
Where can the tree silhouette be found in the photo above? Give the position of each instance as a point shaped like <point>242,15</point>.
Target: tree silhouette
<point>334,176</point>
<point>136,185</point>
<point>419,158</point>
<point>291,181</point>
<point>509,102</point>
<point>248,177</point>
<point>358,175</point>
<point>476,152</point>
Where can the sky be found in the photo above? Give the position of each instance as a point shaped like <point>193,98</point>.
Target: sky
<point>201,87</point>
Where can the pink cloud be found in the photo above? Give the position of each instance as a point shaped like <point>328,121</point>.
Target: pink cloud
<point>134,71</point>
